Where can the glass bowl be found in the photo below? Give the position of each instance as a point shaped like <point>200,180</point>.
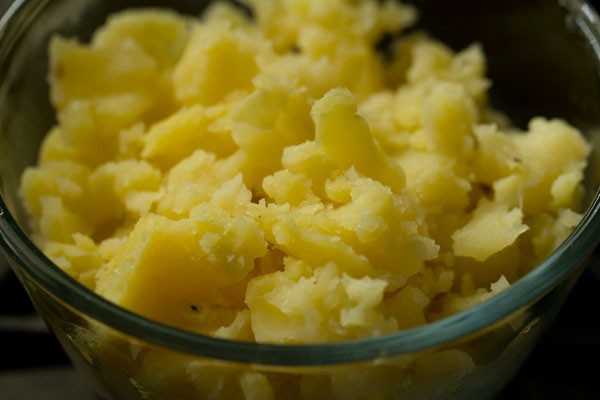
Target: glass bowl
<point>543,57</point>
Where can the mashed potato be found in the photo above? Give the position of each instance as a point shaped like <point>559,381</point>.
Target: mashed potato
<point>276,180</point>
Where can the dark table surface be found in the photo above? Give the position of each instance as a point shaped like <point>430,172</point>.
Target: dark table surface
<point>555,370</point>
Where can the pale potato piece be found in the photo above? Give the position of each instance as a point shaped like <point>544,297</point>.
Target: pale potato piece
<point>61,178</point>
<point>81,259</point>
<point>275,116</point>
<point>292,307</point>
<point>57,223</point>
<point>288,187</point>
<point>115,188</point>
<point>447,116</point>
<point>188,264</point>
<point>192,181</point>
<point>492,228</point>
<point>125,68</point>
<point>408,307</point>
<point>161,33</point>
<point>317,247</point>
<point>176,136</point>
<point>218,61</point>
<point>347,141</point>
<point>432,177</point>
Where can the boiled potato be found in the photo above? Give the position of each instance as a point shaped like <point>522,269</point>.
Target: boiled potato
<point>276,180</point>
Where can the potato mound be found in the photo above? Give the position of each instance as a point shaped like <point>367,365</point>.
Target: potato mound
<point>276,179</point>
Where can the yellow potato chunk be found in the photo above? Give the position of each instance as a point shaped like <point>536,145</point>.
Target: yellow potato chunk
<point>346,139</point>
<point>408,307</point>
<point>288,307</point>
<point>116,186</point>
<point>177,136</point>
<point>447,116</point>
<point>187,264</point>
<point>550,149</point>
<point>273,117</point>
<point>218,61</point>
<point>57,223</point>
<point>161,34</point>
<point>81,259</point>
<point>317,247</point>
<point>192,181</point>
<point>126,68</point>
<point>432,177</point>
<point>63,179</point>
<point>492,227</point>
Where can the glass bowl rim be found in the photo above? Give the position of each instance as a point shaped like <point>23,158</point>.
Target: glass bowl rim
<point>21,251</point>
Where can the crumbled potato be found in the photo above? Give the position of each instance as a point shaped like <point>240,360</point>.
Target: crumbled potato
<point>276,180</point>
<point>361,184</point>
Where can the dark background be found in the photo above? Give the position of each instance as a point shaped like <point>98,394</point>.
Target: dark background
<point>564,365</point>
